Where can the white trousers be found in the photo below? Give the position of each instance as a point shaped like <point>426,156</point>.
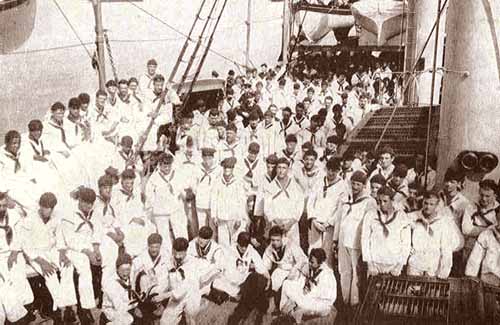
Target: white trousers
<point>15,278</point>
<point>189,305</point>
<point>293,291</point>
<point>177,222</point>
<point>118,318</point>
<point>62,291</point>
<point>11,308</point>
<point>81,263</point>
<point>136,237</point>
<point>349,263</point>
<point>109,253</point>
<point>226,232</point>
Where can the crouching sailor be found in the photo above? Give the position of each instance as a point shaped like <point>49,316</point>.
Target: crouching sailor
<point>313,292</point>
<point>119,299</point>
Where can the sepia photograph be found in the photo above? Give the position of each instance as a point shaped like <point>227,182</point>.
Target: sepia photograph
<point>249,162</point>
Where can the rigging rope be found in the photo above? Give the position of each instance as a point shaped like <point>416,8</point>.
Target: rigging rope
<point>72,28</point>
<point>110,54</point>
<point>181,33</point>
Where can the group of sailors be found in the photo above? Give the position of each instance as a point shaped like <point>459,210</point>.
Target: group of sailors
<point>240,202</point>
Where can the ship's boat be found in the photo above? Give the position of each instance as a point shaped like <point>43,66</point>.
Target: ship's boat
<point>317,25</point>
<point>383,18</point>
<point>17,19</point>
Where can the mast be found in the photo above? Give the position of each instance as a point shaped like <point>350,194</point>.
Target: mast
<point>410,53</point>
<point>249,32</point>
<point>286,31</point>
<point>96,4</point>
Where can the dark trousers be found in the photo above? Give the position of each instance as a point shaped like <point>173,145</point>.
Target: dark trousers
<point>253,296</point>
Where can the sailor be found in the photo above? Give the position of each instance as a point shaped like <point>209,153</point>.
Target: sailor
<point>386,236</point>
<point>40,160</point>
<point>314,134</point>
<point>250,169</point>
<point>12,261</point>
<point>131,213</point>
<point>347,237</point>
<point>243,275</point>
<point>126,110</point>
<point>307,177</point>
<point>146,79</point>
<point>253,132</point>
<point>15,170</point>
<point>228,204</point>
<point>290,151</point>
<point>484,259</point>
<point>208,253</point>
<point>326,198</point>
<point>55,134</point>
<point>272,140</point>
<point>432,246</point>
<point>37,235</point>
<point>161,117</point>
<point>165,201</point>
<point>205,175</point>
<point>187,129</point>
<point>112,100</point>
<point>332,143</point>
<point>457,204</point>
<point>279,96</point>
<point>79,236</point>
<point>76,130</point>
<point>120,300</point>
<point>284,201</point>
<point>103,120</point>
<point>150,273</point>
<point>385,165</point>
<point>376,183</point>
<point>126,157</point>
<point>262,182</point>
<point>280,259</point>
<point>399,185</point>
<point>300,118</point>
<point>287,126</point>
<point>184,286</point>
<point>312,292</point>
<point>480,216</point>
<point>113,235</point>
<point>230,147</point>
<point>347,166</point>
<point>84,99</point>
<point>209,132</point>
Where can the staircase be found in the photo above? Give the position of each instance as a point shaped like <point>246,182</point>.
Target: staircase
<point>406,132</point>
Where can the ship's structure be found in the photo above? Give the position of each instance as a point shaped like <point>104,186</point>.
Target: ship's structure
<point>454,76</point>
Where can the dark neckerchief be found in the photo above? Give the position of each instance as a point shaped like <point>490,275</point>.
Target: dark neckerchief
<point>387,222</point>
<point>352,202</point>
<point>203,252</point>
<point>168,181</point>
<point>326,186</point>
<point>250,167</point>
<point>278,254</point>
<point>129,195</point>
<point>107,206</point>
<point>427,224</point>
<point>311,279</point>
<point>85,220</point>
<point>479,218</point>
<point>8,229</point>
<point>283,190</point>
<point>207,173</point>
<point>35,149</point>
